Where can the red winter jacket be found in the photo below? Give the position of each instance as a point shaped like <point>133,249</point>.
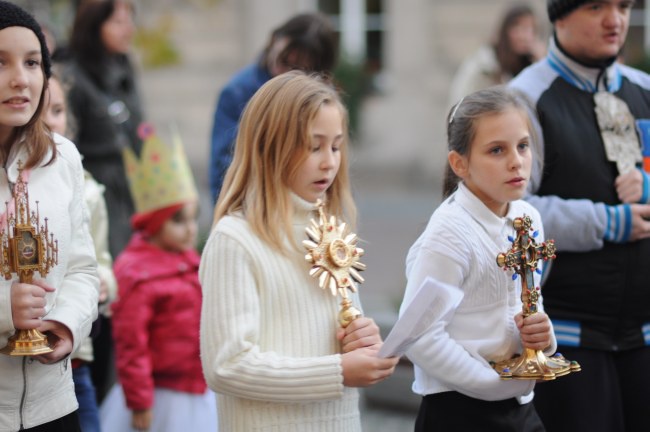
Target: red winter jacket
<point>156,322</point>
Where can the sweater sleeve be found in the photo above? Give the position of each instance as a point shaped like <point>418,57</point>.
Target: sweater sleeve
<point>233,361</point>
<point>437,354</point>
<point>578,224</point>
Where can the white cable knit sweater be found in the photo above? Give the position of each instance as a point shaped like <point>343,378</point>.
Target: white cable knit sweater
<point>268,343</point>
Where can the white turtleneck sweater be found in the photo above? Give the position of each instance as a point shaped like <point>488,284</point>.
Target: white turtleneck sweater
<point>268,335</point>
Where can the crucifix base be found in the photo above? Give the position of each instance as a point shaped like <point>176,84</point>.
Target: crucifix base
<point>535,365</point>
<point>27,343</point>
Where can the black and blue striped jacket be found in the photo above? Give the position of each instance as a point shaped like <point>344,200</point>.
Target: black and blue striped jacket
<point>598,289</point>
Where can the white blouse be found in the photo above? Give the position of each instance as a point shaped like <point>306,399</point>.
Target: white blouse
<point>459,247</point>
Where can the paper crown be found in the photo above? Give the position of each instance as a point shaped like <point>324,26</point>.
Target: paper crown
<point>162,177</point>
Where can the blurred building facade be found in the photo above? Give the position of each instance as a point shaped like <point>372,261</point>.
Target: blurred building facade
<point>409,50</point>
<point>413,47</point>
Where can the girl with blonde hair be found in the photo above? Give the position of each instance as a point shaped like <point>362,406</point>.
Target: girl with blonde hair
<point>269,343</point>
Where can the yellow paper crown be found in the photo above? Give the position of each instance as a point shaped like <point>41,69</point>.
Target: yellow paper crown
<point>162,177</point>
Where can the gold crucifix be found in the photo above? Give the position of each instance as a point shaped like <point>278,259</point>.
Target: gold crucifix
<point>26,247</point>
<point>523,259</point>
<point>335,257</point>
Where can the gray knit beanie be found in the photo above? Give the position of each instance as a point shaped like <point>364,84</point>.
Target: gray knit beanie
<point>559,8</point>
<point>12,15</point>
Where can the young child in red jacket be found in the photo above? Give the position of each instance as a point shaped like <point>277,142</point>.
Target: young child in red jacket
<point>156,315</point>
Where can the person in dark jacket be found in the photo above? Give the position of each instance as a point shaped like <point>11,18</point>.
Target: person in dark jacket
<point>306,42</point>
<point>105,103</point>
<point>593,197</point>
<point>103,99</point>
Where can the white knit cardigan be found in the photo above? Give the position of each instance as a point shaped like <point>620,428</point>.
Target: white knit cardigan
<point>268,335</point>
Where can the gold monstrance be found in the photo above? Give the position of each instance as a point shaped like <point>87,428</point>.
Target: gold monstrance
<point>335,258</point>
<point>523,259</point>
<point>24,249</point>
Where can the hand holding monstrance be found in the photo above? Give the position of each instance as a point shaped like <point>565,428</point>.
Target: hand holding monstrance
<point>523,259</point>
<point>335,258</point>
<point>26,247</point>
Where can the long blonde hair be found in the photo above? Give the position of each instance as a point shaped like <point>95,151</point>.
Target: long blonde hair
<point>273,141</point>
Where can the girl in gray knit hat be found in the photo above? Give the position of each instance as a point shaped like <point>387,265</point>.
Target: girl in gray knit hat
<point>56,306</point>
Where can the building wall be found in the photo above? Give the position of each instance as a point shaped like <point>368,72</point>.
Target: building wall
<point>425,42</point>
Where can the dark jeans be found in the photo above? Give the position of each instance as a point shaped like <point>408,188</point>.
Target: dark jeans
<point>68,423</point>
<point>455,412</point>
<point>85,391</point>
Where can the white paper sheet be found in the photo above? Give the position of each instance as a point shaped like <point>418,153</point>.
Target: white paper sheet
<point>432,302</point>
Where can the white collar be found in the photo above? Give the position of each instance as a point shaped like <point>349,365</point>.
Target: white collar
<point>495,226</point>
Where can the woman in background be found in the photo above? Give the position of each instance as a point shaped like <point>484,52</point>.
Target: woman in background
<point>104,101</point>
<point>517,45</point>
